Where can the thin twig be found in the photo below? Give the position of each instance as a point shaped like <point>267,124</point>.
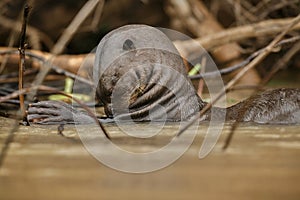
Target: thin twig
<point>252,64</point>
<point>32,32</point>
<point>73,26</point>
<point>11,41</point>
<point>96,18</point>
<point>44,60</point>
<point>16,94</point>
<point>275,7</point>
<point>267,50</point>
<point>224,71</point>
<point>280,64</point>
<point>22,58</point>
<point>260,29</point>
<point>60,70</point>
<point>53,90</point>
<point>89,112</point>
<point>44,56</point>
<point>244,62</point>
<point>241,12</point>
<point>63,40</point>
<point>228,69</point>
<point>11,134</point>
<point>201,82</point>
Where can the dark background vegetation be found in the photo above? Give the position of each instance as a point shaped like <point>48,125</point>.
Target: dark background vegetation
<point>52,17</point>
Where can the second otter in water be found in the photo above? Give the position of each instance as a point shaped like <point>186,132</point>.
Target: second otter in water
<point>142,77</point>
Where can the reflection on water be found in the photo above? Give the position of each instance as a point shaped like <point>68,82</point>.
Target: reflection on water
<point>261,163</point>
<point>161,134</point>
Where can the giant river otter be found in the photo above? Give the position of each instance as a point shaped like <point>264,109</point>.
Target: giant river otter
<point>140,76</point>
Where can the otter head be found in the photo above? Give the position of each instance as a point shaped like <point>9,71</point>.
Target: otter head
<point>141,68</point>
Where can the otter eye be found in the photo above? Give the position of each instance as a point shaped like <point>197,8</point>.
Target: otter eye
<point>128,45</point>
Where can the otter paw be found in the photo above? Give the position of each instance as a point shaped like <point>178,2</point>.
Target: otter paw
<point>50,112</point>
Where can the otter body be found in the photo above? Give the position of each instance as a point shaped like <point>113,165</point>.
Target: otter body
<point>141,76</point>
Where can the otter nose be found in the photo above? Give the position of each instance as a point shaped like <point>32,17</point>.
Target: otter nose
<point>128,45</point>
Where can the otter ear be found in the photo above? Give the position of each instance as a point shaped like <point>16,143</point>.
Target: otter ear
<point>128,45</point>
